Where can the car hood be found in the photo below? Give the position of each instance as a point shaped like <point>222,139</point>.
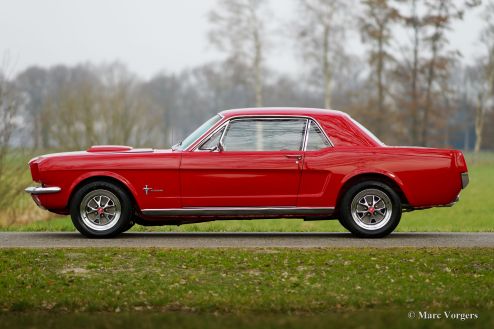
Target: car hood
<point>99,153</point>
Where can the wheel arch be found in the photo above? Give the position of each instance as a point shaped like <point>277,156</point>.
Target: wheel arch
<point>392,182</point>
<point>104,177</point>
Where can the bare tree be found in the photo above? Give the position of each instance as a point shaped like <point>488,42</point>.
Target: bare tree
<point>484,75</point>
<point>34,85</point>
<point>10,177</point>
<point>71,107</point>
<point>487,39</point>
<point>239,29</point>
<point>479,121</point>
<point>376,24</point>
<point>9,105</point>
<point>124,112</point>
<point>321,29</point>
<point>476,91</point>
<point>99,105</point>
<point>410,64</point>
<point>440,15</point>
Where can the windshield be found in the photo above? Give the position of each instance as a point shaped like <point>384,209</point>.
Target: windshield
<point>368,132</point>
<point>197,133</point>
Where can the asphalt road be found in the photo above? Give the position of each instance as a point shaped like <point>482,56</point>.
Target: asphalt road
<point>245,240</point>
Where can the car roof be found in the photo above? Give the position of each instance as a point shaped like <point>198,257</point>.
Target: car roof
<point>291,111</point>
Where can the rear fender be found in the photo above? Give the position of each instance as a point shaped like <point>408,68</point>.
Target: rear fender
<point>379,172</point>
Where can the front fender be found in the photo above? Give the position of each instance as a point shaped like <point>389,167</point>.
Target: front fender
<point>108,174</point>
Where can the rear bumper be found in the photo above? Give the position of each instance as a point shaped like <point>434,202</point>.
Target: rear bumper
<point>35,190</point>
<point>451,204</point>
<point>464,180</point>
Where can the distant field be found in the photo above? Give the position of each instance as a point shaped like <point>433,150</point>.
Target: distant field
<point>472,214</point>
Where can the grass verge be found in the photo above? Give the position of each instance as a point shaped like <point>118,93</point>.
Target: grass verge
<point>358,319</point>
<point>238,281</point>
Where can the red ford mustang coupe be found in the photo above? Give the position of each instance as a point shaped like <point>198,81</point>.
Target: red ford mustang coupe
<point>247,164</point>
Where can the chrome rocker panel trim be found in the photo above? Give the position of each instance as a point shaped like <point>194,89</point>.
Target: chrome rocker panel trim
<point>236,211</point>
<point>42,190</point>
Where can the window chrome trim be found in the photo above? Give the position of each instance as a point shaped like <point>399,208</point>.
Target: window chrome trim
<point>323,133</point>
<point>306,135</point>
<point>224,132</point>
<point>197,148</point>
<point>268,118</point>
<point>222,126</point>
<point>201,140</point>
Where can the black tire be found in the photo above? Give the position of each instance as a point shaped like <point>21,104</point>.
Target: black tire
<point>369,225</point>
<point>129,226</point>
<point>106,191</point>
<point>343,223</point>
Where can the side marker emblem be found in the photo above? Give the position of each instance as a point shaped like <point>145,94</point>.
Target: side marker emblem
<point>148,189</point>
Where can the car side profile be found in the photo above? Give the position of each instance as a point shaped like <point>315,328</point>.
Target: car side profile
<point>258,163</point>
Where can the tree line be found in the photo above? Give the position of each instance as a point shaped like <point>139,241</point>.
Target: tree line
<point>410,86</point>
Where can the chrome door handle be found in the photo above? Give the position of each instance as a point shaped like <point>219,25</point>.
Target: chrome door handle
<point>294,156</point>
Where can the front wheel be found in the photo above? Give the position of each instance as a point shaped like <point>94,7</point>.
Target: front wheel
<point>370,209</point>
<point>101,210</point>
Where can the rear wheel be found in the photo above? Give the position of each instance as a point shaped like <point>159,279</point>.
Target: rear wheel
<point>101,210</point>
<point>370,209</point>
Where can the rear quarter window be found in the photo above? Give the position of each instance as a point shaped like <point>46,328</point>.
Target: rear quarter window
<point>343,132</point>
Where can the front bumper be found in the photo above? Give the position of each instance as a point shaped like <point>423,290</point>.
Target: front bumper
<point>35,190</point>
<point>464,180</point>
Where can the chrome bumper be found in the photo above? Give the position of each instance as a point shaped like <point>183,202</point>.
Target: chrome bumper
<point>42,190</point>
<point>452,203</point>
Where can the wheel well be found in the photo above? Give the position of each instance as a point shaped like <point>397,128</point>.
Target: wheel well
<point>372,177</point>
<point>102,179</point>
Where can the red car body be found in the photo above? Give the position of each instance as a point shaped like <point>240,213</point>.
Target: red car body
<point>190,185</point>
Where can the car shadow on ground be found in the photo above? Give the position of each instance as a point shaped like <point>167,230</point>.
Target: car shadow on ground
<point>228,235</point>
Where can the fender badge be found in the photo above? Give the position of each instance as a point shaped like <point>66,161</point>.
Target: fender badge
<point>148,189</point>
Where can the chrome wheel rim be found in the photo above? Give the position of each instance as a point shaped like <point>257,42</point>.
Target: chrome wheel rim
<point>100,210</point>
<point>371,209</point>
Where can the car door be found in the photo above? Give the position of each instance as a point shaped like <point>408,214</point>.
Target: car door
<point>248,162</point>
<point>315,187</point>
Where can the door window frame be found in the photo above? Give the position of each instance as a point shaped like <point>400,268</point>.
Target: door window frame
<point>324,136</point>
<point>305,138</point>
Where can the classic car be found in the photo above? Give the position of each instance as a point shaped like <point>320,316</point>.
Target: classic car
<point>312,164</point>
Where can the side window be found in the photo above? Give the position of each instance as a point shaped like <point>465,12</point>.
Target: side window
<point>317,140</point>
<point>212,142</point>
<point>264,135</point>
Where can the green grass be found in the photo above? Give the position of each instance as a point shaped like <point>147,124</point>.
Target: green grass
<point>238,281</point>
<point>359,319</point>
<point>237,288</point>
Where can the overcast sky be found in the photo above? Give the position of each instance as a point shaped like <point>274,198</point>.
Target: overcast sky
<point>147,35</point>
